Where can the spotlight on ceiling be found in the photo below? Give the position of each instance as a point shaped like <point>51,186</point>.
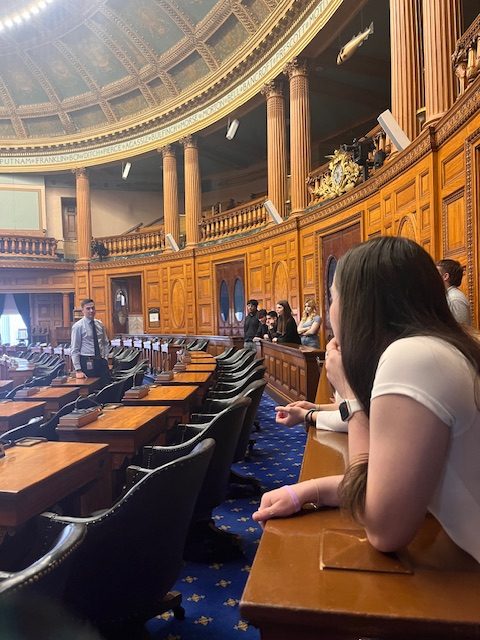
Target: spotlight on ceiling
<point>126,166</point>
<point>171,242</point>
<point>232,129</point>
<point>271,209</point>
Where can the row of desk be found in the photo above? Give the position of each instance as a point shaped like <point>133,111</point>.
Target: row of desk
<point>34,478</point>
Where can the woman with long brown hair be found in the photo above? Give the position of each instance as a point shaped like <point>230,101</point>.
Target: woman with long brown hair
<point>286,325</point>
<point>409,377</point>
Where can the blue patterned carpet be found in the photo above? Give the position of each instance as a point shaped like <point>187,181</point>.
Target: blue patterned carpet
<point>211,593</point>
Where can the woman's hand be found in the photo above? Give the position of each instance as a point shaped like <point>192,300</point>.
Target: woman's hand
<point>290,415</point>
<point>335,371</point>
<point>277,504</point>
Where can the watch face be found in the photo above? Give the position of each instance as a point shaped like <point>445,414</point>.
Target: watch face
<point>344,412</point>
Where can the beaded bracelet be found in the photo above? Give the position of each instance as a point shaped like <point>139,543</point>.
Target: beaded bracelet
<point>293,497</point>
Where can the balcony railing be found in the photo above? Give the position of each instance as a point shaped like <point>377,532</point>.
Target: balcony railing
<point>247,217</point>
<point>466,58</point>
<point>135,243</point>
<point>28,246</point>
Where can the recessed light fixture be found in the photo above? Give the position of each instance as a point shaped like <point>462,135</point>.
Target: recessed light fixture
<point>24,15</point>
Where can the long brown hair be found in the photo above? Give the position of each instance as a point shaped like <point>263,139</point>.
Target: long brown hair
<point>282,319</point>
<point>389,288</point>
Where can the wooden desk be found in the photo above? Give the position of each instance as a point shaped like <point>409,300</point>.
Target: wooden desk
<point>202,380</point>
<point>6,386</point>
<point>14,414</point>
<point>201,367</point>
<point>85,385</point>
<point>54,397</point>
<point>201,355</point>
<point>180,399</point>
<point>126,430</point>
<point>33,479</point>
<point>292,370</point>
<point>288,596</point>
<point>21,374</point>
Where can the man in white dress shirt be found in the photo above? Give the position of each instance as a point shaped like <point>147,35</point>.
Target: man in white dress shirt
<point>452,274</point>
<point>90,345</point>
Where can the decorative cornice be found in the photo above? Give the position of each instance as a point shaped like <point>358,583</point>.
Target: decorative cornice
<point>222,94</point>
<point>29,263</point>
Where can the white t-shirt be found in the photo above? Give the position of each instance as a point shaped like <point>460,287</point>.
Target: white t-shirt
<point>439,377</point>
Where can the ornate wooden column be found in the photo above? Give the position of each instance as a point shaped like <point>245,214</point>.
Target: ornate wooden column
<point>276,146</point>
<point>170,193</point>
<point>84,218</point>
<point>441,30</point>
<point>300,146</point>
<point>406,65</point>
<point>193,191</point>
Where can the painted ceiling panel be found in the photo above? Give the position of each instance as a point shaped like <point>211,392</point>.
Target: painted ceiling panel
<point>98,60</point>
<point>189,71</point>
<point>196,9</point>
<point>63,76</point>
<point>227,40</point>
<point>152,24</point>
<point>89,118</point>
<point>22,84</point>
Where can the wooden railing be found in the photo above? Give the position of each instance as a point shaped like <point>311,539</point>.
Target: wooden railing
<point>466,58</point>
<point>28,246</point>
<point>246,217</point>
<point>134,243</point>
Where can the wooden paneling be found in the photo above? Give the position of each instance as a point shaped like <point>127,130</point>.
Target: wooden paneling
<point>46,310</point>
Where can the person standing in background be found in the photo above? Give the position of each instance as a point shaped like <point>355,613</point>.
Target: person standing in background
<point>452,274</point>
<point>286,325</point>
<point>90,345</point>
<point>309,325</point>
<point>262,327</point>
<point>251,325</point>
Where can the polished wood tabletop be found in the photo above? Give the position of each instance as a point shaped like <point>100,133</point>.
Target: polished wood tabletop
<point>125,429</point>
<point>163,395</point>
<point>201,355</point>
<point>34,478</point>
<point>201,367</point>
<point>55,397</point>
<point>181,399</point>
<point>6,386</point>
<point>85,385</point>
<point>187,378</point>
<point>291,594</point>
<point>13,414</point>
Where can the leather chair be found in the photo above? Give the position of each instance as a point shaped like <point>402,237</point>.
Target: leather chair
<point>238,375</point>
<point>205,541</point>
<point>232,357</point>
<point>127,363</point>
<point>38,557</point>
<point>243,361</point>
<point>132,553</point>
<point>111,393</point>
<point>254,391</point>
<point>201,345</point>
<point>233,389</point>
<point>229,351</point>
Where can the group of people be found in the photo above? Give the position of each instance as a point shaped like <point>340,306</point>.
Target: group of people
<point>406,374</point>
<point>279,325</point>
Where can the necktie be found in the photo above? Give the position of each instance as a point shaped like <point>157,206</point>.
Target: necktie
<point>95,340</point>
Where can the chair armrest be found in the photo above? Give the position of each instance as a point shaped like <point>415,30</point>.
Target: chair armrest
<point>198,418</point>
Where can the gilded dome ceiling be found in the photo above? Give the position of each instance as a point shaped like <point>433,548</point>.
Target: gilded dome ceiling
<point>86,69</point>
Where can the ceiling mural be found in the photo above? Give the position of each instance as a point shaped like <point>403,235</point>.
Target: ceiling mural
<point>97,62</point>
<point>114,72</point>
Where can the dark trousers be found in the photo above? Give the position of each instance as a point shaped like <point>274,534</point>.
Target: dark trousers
<point>97,369</point>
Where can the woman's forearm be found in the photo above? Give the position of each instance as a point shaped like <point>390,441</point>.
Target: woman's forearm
<point>323,492</point>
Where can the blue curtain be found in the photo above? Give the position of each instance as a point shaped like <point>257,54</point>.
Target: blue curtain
<point>2,302</point>
<point>22,300</point>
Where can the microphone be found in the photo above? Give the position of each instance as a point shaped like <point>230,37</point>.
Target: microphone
<point>91,399</point>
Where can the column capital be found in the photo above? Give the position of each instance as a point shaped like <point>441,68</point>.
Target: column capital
<point>297,67</point>
<point>272,89</point>
<point>80,172</point>
<point>189,141</point>
<point>167,150</point>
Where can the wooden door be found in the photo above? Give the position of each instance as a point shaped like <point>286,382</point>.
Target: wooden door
<point>69,217</point>
<point>230,290</point>
<point>332,247</point>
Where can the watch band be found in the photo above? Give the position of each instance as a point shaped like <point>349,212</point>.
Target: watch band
<point>348,408</point>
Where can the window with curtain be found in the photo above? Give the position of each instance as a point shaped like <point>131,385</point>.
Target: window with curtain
<point>12,327</point>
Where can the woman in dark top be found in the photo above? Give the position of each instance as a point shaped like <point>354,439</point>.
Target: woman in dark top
<point>286,325</point>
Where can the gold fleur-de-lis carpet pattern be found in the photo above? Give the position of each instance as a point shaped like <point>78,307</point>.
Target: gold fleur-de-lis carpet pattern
<point>211,592</point>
